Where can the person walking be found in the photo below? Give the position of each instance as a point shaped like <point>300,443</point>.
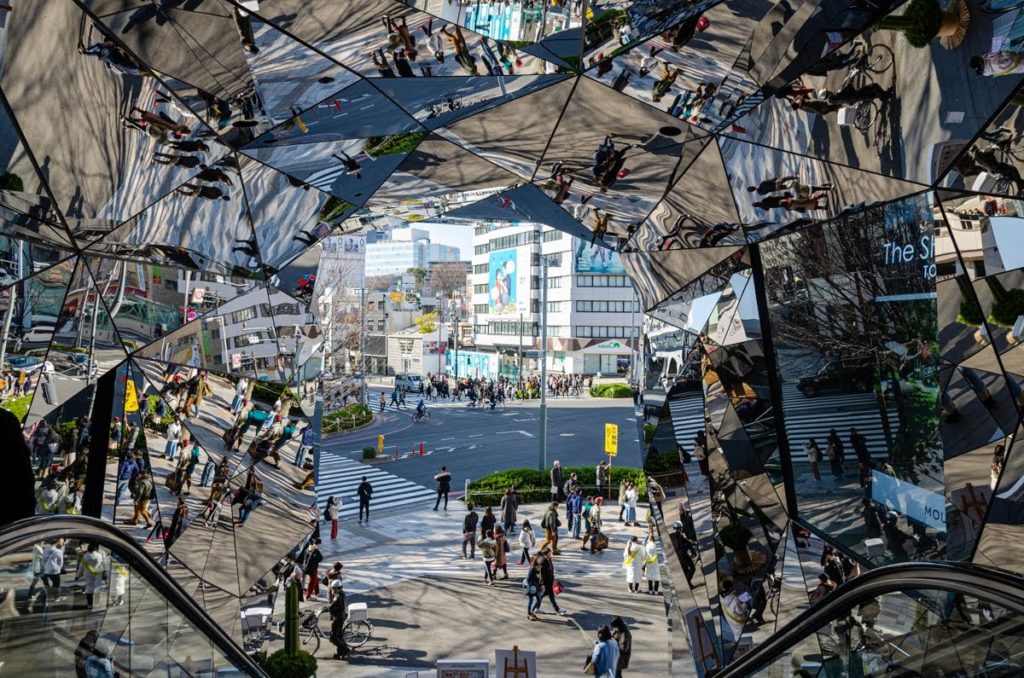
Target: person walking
<point>509,506</point>
<point>623,637</point>
<point>547,578</point>
<point>501,549</point>
<point>383,401</point>
<point>556,481</point>
<point>550,525</point>
<point>469,532</point>
<point>130,467</point>
<point>605,657</point>
<point>311,569</point>
<point>527,541</point>
<point>651,569</point>
<point>633,559</point>
<point>534,587</point>
<point>837,456</point>
<point>489,551</point>
<point>594,518</point>
<point>814,456</point>
<point>338,611</point>
<point>574,509</point>
<point>656,494</point>
<point>443,481</point>
<point>487,522</point>
<point>331,514</point>
<point>860,446</point>
<point>53,566</point>
<point>91,571</point>
<point>601,476</point>
<point>144,493</point>
<point>623,486</point>
<point>630,501</point>
<point>364,491</point>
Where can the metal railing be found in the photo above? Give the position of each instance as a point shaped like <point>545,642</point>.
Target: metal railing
<point>1002,588</point>
<point>24,534</point>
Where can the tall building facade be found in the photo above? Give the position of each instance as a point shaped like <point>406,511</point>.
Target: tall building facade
<point>593,313</point>
<point>403,248</point>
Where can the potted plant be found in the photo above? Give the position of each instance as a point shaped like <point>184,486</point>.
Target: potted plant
<point>924,20</point>
<point>737,536</point>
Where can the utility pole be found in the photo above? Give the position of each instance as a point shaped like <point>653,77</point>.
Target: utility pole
<point>634,337</point>
<point>519,366</point>
<point>543,461</point>
<point>12,299</point>
<point>364,397</point>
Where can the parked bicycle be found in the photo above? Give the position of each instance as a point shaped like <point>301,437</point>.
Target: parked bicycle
<point>868,61</point>
<point>356,631</point>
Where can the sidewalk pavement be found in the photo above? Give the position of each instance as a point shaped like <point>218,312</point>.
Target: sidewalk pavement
<point>423,597</point>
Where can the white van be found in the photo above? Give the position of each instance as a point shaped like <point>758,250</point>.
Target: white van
<point>413,382</point>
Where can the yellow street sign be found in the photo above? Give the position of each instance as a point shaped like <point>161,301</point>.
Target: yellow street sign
<point>611,439</point>
<point>131,400</point>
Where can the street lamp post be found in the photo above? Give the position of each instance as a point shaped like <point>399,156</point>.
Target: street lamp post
<point>543,460</point>
<point>364,397</point>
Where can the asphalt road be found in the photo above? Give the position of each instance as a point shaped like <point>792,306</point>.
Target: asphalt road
<point>474,443</point>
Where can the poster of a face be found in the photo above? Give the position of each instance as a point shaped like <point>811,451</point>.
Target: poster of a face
<point>597,259</point>
<point>502,282</point>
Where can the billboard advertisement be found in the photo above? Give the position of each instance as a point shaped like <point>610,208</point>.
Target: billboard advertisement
<point>502,283</point>
<point>597,259</point>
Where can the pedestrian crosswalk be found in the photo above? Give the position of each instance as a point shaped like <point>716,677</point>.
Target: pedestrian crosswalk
<point>687,410</point>
<point>340,476</point>
<point>805,418</point>
<point>816,417</point>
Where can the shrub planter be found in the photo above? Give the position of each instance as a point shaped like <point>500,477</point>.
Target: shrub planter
<point>924,20</point>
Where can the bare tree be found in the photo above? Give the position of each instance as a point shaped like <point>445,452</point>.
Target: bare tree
<point>379,282</point>
<point>446,278</point>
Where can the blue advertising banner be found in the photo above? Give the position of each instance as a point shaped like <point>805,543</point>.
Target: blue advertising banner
<point>501,283</point>
<point>597,259</point>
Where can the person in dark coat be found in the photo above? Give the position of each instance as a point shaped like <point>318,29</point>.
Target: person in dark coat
<point>622,635</point>
<point>338,611</point>
<point>17,484</point>
<point>556,482</point>
<point>872,523</point>
<point>860,446</point>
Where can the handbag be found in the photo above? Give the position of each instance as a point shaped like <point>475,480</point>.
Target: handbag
<point>589,669</point>
<point>507,549</point>
<point>557,587</point>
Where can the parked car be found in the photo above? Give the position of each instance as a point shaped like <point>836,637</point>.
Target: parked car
<point>413,382</point>
<point>838,377</point>
<point>29,364</point>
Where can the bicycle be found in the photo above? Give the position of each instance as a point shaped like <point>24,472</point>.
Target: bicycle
<point>420,417</point>
<point>875,59</point>
<point>355,631</point>
<point>864,114</point>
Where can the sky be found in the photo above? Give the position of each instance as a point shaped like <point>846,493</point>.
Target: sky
<point>450,234</point>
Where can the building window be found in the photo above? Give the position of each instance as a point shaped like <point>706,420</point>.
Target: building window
<point>244,314</point>
<point>602,281</point>
<point>286,309</point>
<point>553,234</point>
<point>480,308</point>
<point>555,283</point>
<point>405,345</point>
<point>480,268</point>
<point>171,285</point>
<point>480,249</point>
<point>480,289</point>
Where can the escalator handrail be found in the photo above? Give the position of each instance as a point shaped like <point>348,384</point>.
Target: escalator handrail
<point>23,534</point>
<point>995,586</point>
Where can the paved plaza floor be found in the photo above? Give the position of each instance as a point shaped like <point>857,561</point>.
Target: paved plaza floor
<point>428,603</point>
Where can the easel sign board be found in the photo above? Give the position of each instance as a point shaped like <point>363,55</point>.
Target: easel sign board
<point>463,668</point>
<point>515,663</point>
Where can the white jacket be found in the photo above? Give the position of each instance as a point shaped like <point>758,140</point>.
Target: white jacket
<point>53,560</point>
<point>631,497</point>
<point>526,538</point>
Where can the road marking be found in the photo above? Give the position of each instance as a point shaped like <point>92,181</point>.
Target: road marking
<point>566,435</point>
<point>449,438</point>
<point>524,433</point>
<point>477,435</point>
<point>526,419</point>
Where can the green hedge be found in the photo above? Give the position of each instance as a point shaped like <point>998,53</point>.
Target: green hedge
<point>1005,311</point>
<point>612,391</point>
<point>534,486</point>
<point>283,665</point>
<point>346,418</point>
<point>18,406</point>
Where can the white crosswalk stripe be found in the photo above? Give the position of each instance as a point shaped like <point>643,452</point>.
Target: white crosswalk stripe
<point>805,418</point>
<point>816,417</point>
<point>687,416</point>
<point>340,476</point>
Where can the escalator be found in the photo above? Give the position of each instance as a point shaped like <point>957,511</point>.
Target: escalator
<point>928,620</point>
<point>77,597</point>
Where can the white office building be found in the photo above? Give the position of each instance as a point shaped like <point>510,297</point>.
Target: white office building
<point>593,313</point>
<point>405,248</point>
